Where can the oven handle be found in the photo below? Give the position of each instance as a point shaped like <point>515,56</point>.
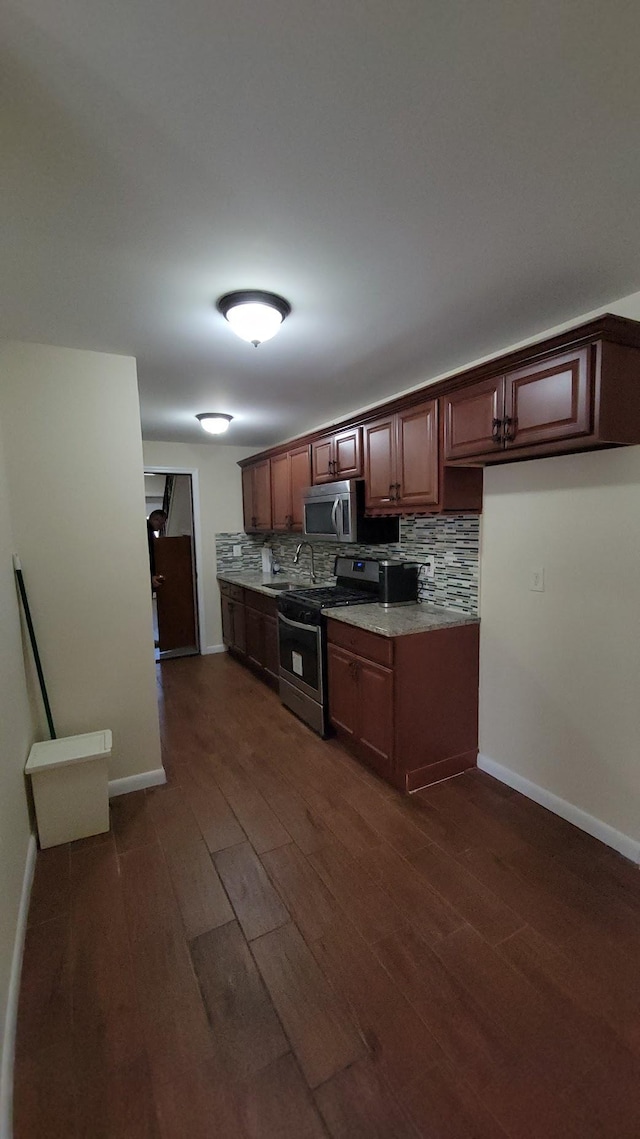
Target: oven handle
<point>334,517</point>
<point>297,624</point>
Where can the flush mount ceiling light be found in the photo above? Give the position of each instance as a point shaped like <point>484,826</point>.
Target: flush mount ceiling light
<point>214,422</point>
<point>254,315</point>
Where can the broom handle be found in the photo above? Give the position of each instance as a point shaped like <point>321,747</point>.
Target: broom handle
<point>34,644</point>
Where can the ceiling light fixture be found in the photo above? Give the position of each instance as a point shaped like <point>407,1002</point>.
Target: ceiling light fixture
<point>214,422</point>
<point>254,315</point>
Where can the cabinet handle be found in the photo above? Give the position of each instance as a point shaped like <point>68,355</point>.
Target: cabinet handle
<point>392,496</point>
<point>509,432</point>
<point>496,424</point>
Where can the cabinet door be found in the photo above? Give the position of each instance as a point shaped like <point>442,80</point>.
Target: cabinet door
<point>253,636</point>
<point>300,481</point>
<point>379,462</point>
<point>347,450</point>
<point>262,494</point>
<point>343,690</point>
<point>472,420</point>
<point>270,657</point>
<point>322,460</point>
<point>547,402</point>
<point>375,715</point>
<point>417,464</point>
<point>280,492</point>
<point>239,628</point>
<point>227,621</point>
<point>247,499</point>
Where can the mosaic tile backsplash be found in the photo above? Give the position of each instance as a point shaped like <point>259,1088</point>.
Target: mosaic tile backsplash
<point>453,542</point>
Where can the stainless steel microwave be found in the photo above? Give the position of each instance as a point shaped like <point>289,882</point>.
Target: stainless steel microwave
<point>335,512</point>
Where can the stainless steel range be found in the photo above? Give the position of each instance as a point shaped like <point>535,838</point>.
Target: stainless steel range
<point>302,635</point>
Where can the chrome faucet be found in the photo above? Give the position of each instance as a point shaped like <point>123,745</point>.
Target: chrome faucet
<point>296,559</point>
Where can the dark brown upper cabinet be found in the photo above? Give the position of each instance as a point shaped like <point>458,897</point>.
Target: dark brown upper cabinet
<point>290,476</point>
<point>401,460</point>
<point>403,468</point>
<point>337,456</point>
<point>571,401</point>
<point>256,496</point>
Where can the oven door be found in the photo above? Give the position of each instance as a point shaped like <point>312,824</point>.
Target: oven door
<point>301,656</point>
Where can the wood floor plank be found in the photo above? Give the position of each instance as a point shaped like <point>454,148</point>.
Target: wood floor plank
<point>243,1020</point>
<point>305,827</point>
<point>476,1044</point>
<point>476,904</point>
<point>50,892</point>
<point>369,906</point>
<point>316,1020</point>
<point>44,1093</point>
<point>479,828</point>
<point>257,905</point>
<point>218,824</point>
<point>358,1104</point>
<point>114,1091</point>
<point>425,909</point>
<point>276,1104</point>
<point>442,1106</point>
<point>261,825</point>
<point>201,897</point>
<point>45,1004</point>
<point>131,821</point>
<point>395,1036</point>
<point>538,1034</point>
<point>385,818</point>
<point>312,906</point>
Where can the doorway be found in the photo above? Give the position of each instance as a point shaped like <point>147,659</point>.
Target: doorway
<point>177,616</point>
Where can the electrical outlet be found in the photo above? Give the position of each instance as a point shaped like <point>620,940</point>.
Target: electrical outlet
<point>428,568</point>
<point>536,579</point>
<point>237,551</point>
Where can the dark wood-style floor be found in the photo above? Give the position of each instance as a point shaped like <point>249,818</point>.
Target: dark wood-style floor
<point>279,945</point>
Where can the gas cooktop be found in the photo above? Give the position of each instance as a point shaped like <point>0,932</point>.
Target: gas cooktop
<point>327,597</point>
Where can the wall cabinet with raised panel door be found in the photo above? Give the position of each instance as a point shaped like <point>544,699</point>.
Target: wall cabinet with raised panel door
<point>290,475</point>
<point>337,456</point>
<point>256,496</point>
<point>575,400</point>
<point>406,706</point>
<point>404,472</point>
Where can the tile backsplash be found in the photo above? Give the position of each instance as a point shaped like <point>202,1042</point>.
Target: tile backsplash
<point>452,541</point>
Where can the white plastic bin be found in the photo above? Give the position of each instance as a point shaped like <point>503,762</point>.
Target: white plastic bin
<point>70,780</point>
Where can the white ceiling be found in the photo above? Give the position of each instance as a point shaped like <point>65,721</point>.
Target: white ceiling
<point>425,182</point>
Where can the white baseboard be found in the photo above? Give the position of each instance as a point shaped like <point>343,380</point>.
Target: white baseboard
<point>213,649</point>
<point>11,1015</point>
<point>623,843</point>
<point>137,782</point>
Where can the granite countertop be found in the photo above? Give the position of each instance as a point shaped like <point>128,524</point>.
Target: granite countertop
<point>396,622</point>
<point>259,581</point>
<point>401,620</point>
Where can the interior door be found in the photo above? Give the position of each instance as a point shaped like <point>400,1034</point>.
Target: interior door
<point>176,596</point>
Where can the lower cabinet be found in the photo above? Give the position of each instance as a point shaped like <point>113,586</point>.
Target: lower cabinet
<point>234,633</point>
<point>250,628</point>
<point>406,706</point>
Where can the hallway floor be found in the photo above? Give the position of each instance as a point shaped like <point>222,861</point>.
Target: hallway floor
<point>276,945</point>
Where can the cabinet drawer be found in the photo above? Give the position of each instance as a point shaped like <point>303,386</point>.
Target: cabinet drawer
<point>235,592</point>
<point>367,645</point>
<point>260,602</point>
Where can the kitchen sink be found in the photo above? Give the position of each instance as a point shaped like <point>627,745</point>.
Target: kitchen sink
<point>283,586</point>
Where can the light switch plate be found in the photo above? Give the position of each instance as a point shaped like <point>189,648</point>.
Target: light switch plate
<point>237,551</point>
<point>428,568</point>
<point>536,579</point>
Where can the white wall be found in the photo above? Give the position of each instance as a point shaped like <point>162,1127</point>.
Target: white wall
<point>17,732</point>
<point>75,475</point>
<point>560,670</point>
<point>220,508</point>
